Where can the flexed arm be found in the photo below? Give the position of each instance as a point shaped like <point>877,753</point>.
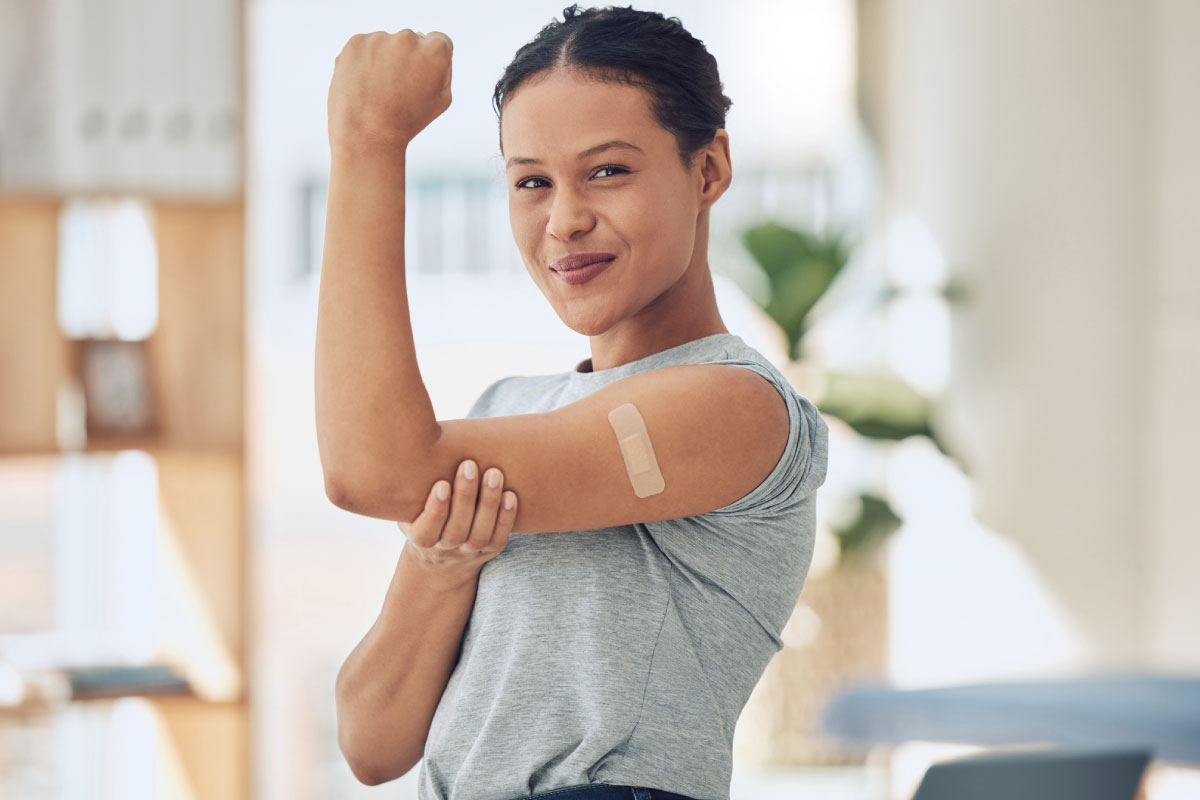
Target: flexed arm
<point>714,431</point>
<point>371,402</point>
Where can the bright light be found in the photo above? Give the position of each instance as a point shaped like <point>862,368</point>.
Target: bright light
<point>914,259</point>
<point>802,628</point>
<point>133,554</point>
<point>918,340</point>
<point>797,62</point>
<point>133,748</point>
<point>133,304</point>
<point>107,269</point>
<point>925,486</point>
<point>964,604</point>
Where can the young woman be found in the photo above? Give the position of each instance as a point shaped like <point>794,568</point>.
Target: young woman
<point>610,655</point>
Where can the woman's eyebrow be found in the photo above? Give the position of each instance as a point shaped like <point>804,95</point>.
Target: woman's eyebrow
<point>615,144</point>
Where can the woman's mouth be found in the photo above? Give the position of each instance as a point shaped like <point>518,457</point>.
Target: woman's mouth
<point>582,267</point>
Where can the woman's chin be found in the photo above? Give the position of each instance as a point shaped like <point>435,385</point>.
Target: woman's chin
<point>585,324</point>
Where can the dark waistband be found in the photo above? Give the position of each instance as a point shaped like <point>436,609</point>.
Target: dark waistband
<point>605,791</point>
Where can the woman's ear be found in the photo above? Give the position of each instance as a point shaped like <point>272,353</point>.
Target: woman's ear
<point>716,169</point>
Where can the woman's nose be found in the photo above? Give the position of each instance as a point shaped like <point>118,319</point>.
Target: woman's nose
<point>569,214</point>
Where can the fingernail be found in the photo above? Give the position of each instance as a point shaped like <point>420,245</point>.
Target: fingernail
<point>508,501</point>
<point>469,470</point>
<point>443,490</point>
<point>493,478</point>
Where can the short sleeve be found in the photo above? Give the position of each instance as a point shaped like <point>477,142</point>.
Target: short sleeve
<point>485,401</point>
<point>802,468</point>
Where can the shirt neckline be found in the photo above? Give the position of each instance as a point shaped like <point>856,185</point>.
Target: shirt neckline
<point>677,352</point>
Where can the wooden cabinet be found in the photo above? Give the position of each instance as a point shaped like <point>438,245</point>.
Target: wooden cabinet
<point>147,555</point>
<point>124,599</point>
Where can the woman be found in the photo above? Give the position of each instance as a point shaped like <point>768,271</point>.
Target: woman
<point>672,475</point>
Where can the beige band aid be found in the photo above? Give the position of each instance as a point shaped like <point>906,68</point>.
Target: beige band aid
<point>637,450</point>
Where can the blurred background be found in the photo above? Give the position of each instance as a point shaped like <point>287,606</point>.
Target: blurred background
<point>964,230</point>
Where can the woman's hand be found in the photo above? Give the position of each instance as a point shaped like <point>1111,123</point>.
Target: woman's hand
<point>453,537</point>
<point>387,87</point>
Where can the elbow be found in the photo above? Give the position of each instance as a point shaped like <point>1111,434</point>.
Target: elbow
<point>345,483</point>
<point>368,752</point>
<point>349,493</point>
<point>364,773</point>
<point>359,497</point>
<point>338,492</point>
<point>371,771</point>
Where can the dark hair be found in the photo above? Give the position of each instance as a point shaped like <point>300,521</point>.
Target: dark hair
<point>639,48</point>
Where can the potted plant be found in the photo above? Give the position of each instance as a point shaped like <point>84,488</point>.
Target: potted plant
<point>839,629</point>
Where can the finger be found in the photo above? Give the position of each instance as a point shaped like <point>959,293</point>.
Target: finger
<point>485,512</point>
<point>504,524</point>
<point>442,38</point>
<point>427,528</point>
<point>462,507</point>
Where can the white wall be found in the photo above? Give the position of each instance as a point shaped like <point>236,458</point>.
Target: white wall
<point>1052,150</point>
<point>1174,595</point>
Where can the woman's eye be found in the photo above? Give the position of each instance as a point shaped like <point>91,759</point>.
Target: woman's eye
<point>525,183</point>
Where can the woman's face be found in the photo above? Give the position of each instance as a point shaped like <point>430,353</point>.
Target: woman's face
<point>640,205</point>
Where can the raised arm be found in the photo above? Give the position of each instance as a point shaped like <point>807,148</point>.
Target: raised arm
<point>716,431</point>
<point>373,413</point>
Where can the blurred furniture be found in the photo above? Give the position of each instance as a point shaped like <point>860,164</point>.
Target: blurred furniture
<point>1158,713</point>
<point>151,108</point>
<point>1038,775</point>
<point>114,96</point>
<point>199,529</point>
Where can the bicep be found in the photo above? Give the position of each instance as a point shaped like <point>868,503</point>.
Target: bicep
<point>716,432</point>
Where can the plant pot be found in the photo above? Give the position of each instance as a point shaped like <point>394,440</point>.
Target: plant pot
<point>780,725</point>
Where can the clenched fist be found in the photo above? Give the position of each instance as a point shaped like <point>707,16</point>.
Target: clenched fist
<point>387,87</point>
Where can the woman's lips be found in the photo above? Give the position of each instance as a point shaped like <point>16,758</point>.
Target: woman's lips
<point>576,260</point>
<point>591,265</point>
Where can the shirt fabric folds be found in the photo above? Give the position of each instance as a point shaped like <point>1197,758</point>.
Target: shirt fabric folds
<point>625,655</point>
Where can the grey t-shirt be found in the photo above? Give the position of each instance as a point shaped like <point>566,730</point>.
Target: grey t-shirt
<point>625,655</point>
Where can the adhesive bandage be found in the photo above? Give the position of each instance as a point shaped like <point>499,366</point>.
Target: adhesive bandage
<point>637,450</point>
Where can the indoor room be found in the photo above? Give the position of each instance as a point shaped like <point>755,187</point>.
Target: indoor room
<point>274,272</point>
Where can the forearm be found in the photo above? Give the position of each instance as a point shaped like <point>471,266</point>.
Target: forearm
<point>390,685</point>
<point>373,412</point>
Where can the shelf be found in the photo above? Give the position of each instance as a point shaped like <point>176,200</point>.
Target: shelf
<point>126,558</point>
<point>124,596</point>
<point>149,444</point>
<point>48,689</point>
<point>196,353</point>
<point>128,748</point>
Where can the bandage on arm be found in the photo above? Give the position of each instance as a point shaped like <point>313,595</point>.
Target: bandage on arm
<point>636,449</point>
